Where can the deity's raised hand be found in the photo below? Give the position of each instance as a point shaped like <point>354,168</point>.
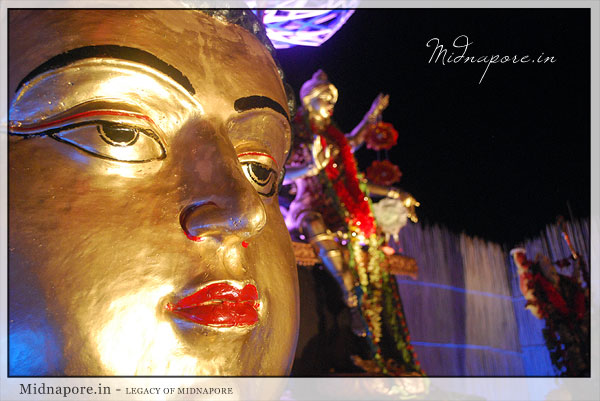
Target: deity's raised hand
<point>409,202</point>
<point>380,103</point>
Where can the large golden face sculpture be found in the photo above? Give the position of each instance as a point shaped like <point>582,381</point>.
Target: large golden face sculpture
<point>145,236</point>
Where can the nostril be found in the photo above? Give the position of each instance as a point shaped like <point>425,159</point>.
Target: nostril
<point>191,220</point>
<point>234,218</point>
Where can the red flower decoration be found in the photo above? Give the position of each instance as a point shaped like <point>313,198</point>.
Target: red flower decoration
<point>383,136</point>
<point>383,173</point>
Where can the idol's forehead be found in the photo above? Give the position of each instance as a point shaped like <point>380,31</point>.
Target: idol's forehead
<point>222,61</point>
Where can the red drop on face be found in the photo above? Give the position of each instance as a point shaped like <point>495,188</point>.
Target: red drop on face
<point>193,238</point>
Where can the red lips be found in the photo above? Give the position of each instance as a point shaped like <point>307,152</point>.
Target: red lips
<point>221,305</point>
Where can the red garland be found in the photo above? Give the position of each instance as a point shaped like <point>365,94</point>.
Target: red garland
<point>348,189</point>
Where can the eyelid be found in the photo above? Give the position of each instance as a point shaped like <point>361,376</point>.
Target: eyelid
<point>240,128</point>
<point>242,115</point>
<point>255,156</point>
<point>99,80</point>
<point>89,115</point>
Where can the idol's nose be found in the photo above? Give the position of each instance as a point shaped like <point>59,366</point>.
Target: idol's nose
<point>225,218</point>
<point>218,200</point>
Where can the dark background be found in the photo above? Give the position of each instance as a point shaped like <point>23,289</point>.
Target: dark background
<point>498,160</point>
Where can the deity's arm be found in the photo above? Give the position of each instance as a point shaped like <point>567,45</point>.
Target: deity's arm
<point>409,202</point>
<point>297,172</point>
<point>385,191</point>
<point>320,158</point>
<point>357,136</point>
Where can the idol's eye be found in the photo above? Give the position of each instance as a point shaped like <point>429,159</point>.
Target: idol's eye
<point>110,134</point>
<point>261,170</point>
<point>262,177</point>
<point>112,140</point>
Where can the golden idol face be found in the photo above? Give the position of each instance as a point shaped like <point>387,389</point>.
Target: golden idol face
<point>145,236</point>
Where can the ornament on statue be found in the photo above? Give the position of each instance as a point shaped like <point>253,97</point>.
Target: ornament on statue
<point>381,136</point>
<point>391,215</point>
<point>383,173</point>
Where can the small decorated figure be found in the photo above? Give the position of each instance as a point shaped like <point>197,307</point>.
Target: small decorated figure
<point>564,304</point>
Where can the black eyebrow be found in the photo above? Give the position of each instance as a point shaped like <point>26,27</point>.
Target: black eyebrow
<point>110,51</point>
<point>259,102</point>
